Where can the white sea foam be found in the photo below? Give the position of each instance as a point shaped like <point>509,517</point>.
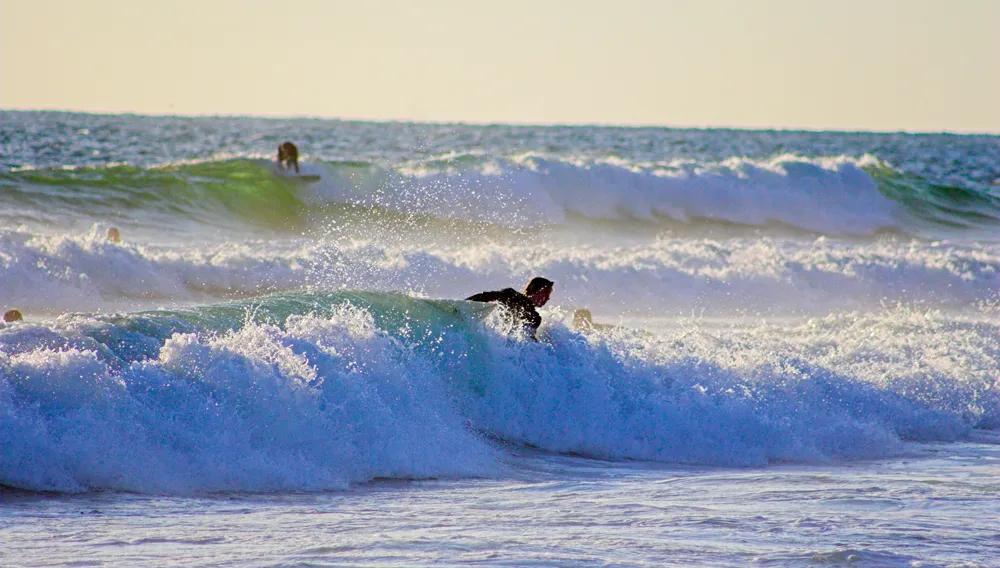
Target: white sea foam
<point>50,275</point>
<point>323,402</point>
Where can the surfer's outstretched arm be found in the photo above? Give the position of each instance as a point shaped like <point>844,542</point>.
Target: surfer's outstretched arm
<point>492,296</point>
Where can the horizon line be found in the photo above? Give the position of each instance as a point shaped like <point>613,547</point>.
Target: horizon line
<point>845,130</point>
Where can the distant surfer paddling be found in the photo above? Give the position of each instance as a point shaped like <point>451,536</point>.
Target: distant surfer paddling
<point>583,320</point>
<point>288,156</point>
<point>521,307</point>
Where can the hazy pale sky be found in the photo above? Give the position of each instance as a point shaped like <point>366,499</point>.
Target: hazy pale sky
<point>917,65</point>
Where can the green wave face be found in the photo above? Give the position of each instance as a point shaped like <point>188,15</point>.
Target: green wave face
<point>240,191</point>
<point>948,206</point>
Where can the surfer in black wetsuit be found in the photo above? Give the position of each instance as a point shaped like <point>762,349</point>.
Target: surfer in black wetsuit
<point>522,306</point>
<point>288,156</point>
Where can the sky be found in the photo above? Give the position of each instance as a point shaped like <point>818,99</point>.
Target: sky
<point>883,65</point>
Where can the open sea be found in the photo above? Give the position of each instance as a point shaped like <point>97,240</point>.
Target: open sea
<point>797,362</point>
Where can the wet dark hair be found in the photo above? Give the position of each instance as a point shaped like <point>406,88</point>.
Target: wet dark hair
<point>537,283</point>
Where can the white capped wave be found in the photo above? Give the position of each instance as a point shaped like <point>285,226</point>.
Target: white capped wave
<point>833,196</point>
<point>49,275</point>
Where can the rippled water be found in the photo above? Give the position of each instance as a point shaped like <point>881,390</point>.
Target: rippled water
<point>934,506</point>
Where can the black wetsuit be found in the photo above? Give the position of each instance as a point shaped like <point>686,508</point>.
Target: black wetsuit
<point>522,309</point>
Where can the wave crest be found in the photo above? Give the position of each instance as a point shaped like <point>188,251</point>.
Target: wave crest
<point>832,196</point>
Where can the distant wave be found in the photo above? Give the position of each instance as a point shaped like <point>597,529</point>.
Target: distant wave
<point>832,196</point>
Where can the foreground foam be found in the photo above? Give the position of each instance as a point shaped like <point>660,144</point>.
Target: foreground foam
<point>356,388</point>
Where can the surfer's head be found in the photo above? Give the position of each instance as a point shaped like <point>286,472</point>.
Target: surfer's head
<point>12,315</point>
<point>287,150</point>
<point>539,290</point>
<point>114,236</point>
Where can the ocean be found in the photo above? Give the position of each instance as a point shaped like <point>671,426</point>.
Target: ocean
<point>796,362</point>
